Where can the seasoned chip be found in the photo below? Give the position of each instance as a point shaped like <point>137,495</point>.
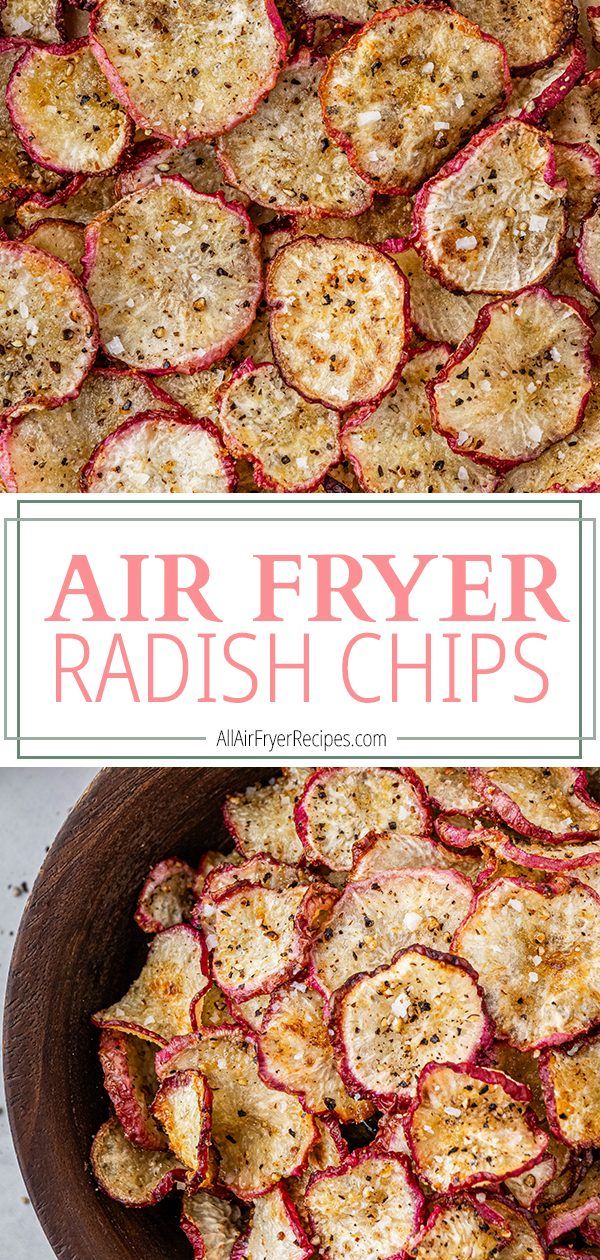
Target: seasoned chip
<point>167,897</point>
<point>64,112</point>
<point>377,917</point>
<point>281,156</point>
<point>18,174</point>
<point>261,819</point>
<point>400,852</point>
<point>250,1014</point>
<point>46,450</point>
<point>256,344</point>
<point>370,1206</point>
<point>161,1003</point>
<point>406,91</point>
<point>61,238</point>
<point>178,89</point>
<point>450,788</point>
<point>272,1133</point>
<point>133,1176</point>
<point>338,808</point>
<point>534,94</point>
<point>210,860</point>
<point>394,448</point>
<point>45,309</point>
<point>531,1186</point>
<point>388,219</point>
<point>339,319</point>
<point>546,804</point>
<point>469,1126</point>
<point>536,951</point>
<point>183,1106</point>
<point>329,1150</point>
<point>211,1224</point>
<point>566,281</point>
<point>572,465</point>
<point>588,252</point>
<point>461,1227</point>
<point>526,1242</point>
<point>575,1211</point>
<point>518,382</point>
<point>189,263</point>
<point>160,452</point>
<point>196,163</point>
<point>492,220</point>
<point>571,1079</point>
<point>290,443</point>
<point>462,831</point>
<point>425,1007</point>
<point>295,1053</point>
<point>36,19</point>
<point>354,11</point>
<point>276,1231</point>
<point>130,1081</point>
<point>577,119</point>
<point>579,164</point>
<point>213,1011</point>
<point>540,854</point>
<point>197,392</point>
<point>532,31</point>
<point>80,200</point>
<point>262,869</point>
<point>437,314</point>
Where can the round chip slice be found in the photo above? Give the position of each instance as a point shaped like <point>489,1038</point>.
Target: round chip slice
<point>19,176</point>
<point>533,95</point>
<point>133,1176</point>
<point>492,220</point>
<point>425,1007</point>
<point>203,69</point>
<point>370,1207</point>
<point>161,1003</point>
<point>290,443</point>
<point>160,452</point>
<point>400,852</point>
<point>532,31</point>
<point>376,917</point>
<point>60,238</point>
<point>183,1106</point>
<point>276,1231</point>
<point>339,320</point>
<point>437,314</point>
<point>130,1081</point>
<point>196,163</point>
<point>168,896</point>
<point>36,19</point>
<point>282,158</point>
<point>406,91</point>
<point>64,112</point>
<point>588,252</point>
<point>571,1080</point>
<point>44,309</point>
<point>261,819</point>
<point>579,164</point>
<point>394,448</point>
<point>536,997</point>
<point>518,382</point>
<point>526,1242</point>
<point>211,1224</point>
<point>338,808</point>
<point>272,1133</point>
<point>295,1054</point>
<point>545,804</point>
<point>461,1227</point>
<point>577,119</point>
<point>471,1126</point>
<point>572,465</point>
<point>175,276</point>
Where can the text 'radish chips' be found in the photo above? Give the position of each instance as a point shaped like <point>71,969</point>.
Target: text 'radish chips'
<point>160,452</point>
<point>369,1207</point>
<point>175,277</point>
<point>403,94</point>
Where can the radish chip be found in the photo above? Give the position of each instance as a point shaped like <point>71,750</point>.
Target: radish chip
<point>79,201</point>
<point>461,1227</point>
<point>272,1133</point>
<point>167,897</point>
<point>18,173</point>
<point>169,239</point>
<point>130,1081</point>
<point>276,1231</point>
<point>571,1078</point>
<point>296,1055</point>
<point>532,31</point>
<point>161,1003</point>
<point>60,238</point>
<point>376,917</point>
<point>339,320</point>
<point>545,804</point>
<point>64,112</point>
<point>577,119</point>
<point>526,1242</point>
<point>178,89</point>
<point>405,92</point>
<point>340,807</point>
<point>260,870</point>
<point>424,1007</point>
<point>566,281</point>
<point>261,819</point>
<point>369,1207</point>
<point>196,163</point>
<point>536,996</point>
<point>471,1126</point>
<point>492,220</point>
<point>518,382</point>
<point>282,158</point>
<point>43,308</point>
<point>571,465</point>
<point>290,443</point>
<point>579,164</point>
<point>160,452</point>
<point>197,392</point>
<point>183,1106</point>
<point>575,1211</point>
<point>451,789</point>
<point>133,1176</point>
<point>394,448</point>
<point>399,852</point>
<point>211,1224</point>
<point>36,19</point>
<point>539,854</point>
<point>588,253</point>
<point>534,94</point>
<point>251,1013</point>
<point>437,314</point>
<point>213,1011</point>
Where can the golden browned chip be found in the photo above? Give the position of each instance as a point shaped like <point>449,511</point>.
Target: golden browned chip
<point>160,1003</point>
<point>388,219</point>
<point>577,119</point>
<point>261,819</point>
<point>18,172</point>
<point>547,803</point>
<point>532,31</point>
<point>183,1106</point>
<point>437,314</point>
<point>33,19</point>
<point>339,808</point>
<point>198,392</point>
<point>197,163</point>
<point>211,1223</point>
<point>82,199</point>
<point>61,238</point>
<point>128,1173</point>
<point>571,1078</point>
<point>461,1228</point>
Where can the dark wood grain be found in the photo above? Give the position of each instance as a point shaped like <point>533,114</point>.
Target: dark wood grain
<point>76,950</point>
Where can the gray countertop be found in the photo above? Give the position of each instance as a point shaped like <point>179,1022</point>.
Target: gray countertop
<point>33,804</point>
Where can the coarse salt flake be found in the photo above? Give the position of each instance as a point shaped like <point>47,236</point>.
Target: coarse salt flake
<point>115,346</point>
<point>368,116</point>
<point>466,242</point>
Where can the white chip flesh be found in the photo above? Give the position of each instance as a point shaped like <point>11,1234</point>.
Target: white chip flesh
<point>85,200</point>
<point>274,1233</point>
<point>546,798</point>
<point>261,870</point>
<point>158,1003</point>
<point>528,89</point>
<point>458,1229</point>
<point>395,449</point>
<point>159,455</point>
<point>297,1055</point>
<point>217,1220</point>
<point>509,397</point>
<point>337,324</point>
<point>377,917</point>
<point>196,162</point>
<point>450,788</point>
<point>63,105</point>
<point>399,852</point>
<point>531,30</point>
<point>127,1172</point>
<point>467,1131</point>
<point>183,1108</point>
<point>355,11</point>
<point>407,91</point>
<point>494,225</point>
<point>438,314</point>
<point>526,1242</point>
<point>262,817</point>
<point>537,955</point>
<point>193,71</point>
<point>571,464</point>
<point>565,281</point>
<point>293,443</point>
<point>580,166</point>
<point>33,19</point>
<point>198,392</point>
<point>18,172</point>
<point>574,1081</point>
<point>252,1011</point>
<point>577,119</point>
<point>257,938</point>
<point>365,1210</point>
<point>417,1011</point>
<point>61,239</point>
<point>282,157</point>
<point>189,264</point>
<point>341,807</point>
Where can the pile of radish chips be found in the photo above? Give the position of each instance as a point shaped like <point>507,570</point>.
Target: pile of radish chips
<point>299,246</point>
<point>371,1029</point>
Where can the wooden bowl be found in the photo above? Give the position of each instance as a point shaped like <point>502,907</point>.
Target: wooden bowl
<point>76,951</point>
